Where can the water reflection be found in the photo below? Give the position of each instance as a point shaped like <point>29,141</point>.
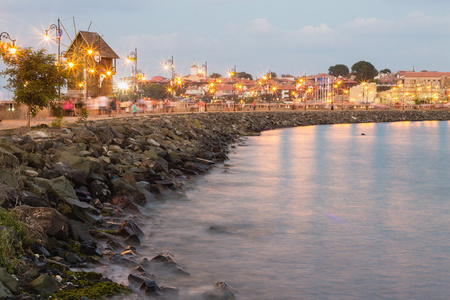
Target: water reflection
<point>319,213</point>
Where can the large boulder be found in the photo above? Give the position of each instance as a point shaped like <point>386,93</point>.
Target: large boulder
<point>78,162</point>
<point>76,176</point>
<point>48,219</point>
<point>59,186</point>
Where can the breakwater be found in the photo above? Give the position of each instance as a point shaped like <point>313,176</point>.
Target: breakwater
<point>80,188</point>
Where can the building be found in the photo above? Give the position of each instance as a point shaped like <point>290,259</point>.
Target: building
<point>93,63</point>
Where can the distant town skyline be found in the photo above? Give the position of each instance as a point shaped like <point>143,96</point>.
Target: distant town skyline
<point>286,37</point>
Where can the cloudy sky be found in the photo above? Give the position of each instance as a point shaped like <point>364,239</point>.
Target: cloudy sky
<point>285,36</point>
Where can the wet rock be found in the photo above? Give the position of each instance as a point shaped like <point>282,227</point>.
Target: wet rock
<point>79,231</point>
<point>123,261</point>
<point>222,291</point>
<point>129,227</point>
<point>126,203</point>
<point>163,263</point>
<point>151,288</point>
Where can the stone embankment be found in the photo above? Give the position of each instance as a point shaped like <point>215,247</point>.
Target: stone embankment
<point>81,188</point>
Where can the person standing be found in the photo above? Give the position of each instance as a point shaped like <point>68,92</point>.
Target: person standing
<point>254,104</point>
<point>134,109</point>
<point>201,106</point>
<point>113,106</point>
<point>166,104</point>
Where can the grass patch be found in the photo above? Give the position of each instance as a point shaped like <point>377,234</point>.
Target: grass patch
<point>12,246</point>
<point>89,285</point>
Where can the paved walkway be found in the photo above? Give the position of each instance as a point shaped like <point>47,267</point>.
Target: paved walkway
<point>17,123</point>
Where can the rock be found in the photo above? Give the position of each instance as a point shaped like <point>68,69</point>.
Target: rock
<point>78,162</point>
<point>9,178</point>
<point>163,263</point>
<point>44,285</point>
<point>48,219</point>
<point>8,159</point>
<point>128,228</point>
<point>123,261</point>
<point>100,190</point>
<point>83,194</point>
<point>79,231</point>
<point>74,208</point>
<point>5,293</point>
<point>222,291</point>
<point>151,288</point>
<point>76,176</point>
<point>31,199</point>
<point>126,203</point>
<point>60,186</point>
<point>9,281</point>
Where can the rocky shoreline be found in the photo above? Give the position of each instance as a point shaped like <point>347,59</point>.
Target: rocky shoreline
<point>79,191</point>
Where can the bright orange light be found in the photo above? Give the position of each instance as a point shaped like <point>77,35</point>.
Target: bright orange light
<point>46,37</point>
<point>70,64</point>
<point>90,51</point>
<point>165,65</point>
<point>91,70</point>
<point>274,88</point>
<point>13,50</point>
<point>80,84</point>
<point>108,73</point>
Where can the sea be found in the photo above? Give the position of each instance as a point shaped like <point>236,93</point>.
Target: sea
<point>348,211</point>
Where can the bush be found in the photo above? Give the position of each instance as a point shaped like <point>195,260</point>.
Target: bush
<point>11,249</point>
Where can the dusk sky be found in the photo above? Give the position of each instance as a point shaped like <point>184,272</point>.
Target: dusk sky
<point>285,36</point>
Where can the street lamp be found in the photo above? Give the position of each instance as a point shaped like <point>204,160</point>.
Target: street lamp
<point>132,57</point>
<point>12,49</point>
<point>58,35</point>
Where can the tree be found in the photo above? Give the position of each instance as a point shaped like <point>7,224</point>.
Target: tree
<point>271,75</point>
<point>244,75</point>
<point>155,91</point>
<point>364,71</point>
<point>338,70</point>
<point>385,71</point>
<point>34,78</point>
<point>215,75</point>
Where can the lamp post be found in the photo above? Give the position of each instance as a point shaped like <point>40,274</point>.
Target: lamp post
<point>232,75</point>
<point>166,66</point>
<point>132,57</point>
<point>204,67</point>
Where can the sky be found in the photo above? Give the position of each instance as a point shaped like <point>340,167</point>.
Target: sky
<point>294,37</point>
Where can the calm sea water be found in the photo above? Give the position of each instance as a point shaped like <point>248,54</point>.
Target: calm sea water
<point>319,212</point>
